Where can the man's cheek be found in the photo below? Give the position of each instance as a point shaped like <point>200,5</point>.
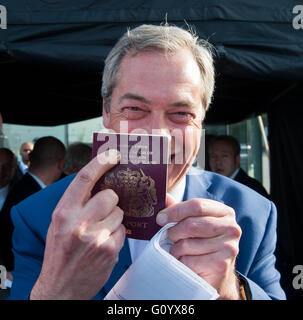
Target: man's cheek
<point>178,150</point>
<point>192,142</point>
<point>177,145</point>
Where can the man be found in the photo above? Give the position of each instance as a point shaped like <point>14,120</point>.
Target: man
<point>46,164</point>
<point>25,149</point>
<point>8,164</point>
<point>224,158</point>
<point>77,156</point>
<point>156,77</point>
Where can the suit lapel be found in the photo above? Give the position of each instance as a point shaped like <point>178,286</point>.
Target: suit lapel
<point>198,185</point>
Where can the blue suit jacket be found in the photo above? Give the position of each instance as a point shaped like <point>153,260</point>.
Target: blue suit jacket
<point>255,215</point>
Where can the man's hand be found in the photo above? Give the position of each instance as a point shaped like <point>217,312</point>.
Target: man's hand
<point>206,239</point>
<point>84,237</point>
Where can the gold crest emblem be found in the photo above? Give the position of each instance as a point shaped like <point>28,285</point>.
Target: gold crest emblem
<point>136,191</point>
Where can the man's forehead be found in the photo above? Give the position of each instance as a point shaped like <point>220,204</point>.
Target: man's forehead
<point>26,145</point>
<point>180,75</point>
<point>160,56</point>
<point>221,146</point>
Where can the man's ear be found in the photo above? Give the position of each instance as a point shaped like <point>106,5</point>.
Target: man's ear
<point>105,116</point>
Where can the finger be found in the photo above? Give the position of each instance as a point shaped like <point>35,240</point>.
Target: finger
<point>109,225</point>
<point>101,204</point>
<point>198,246</point>
<point>199,227</point>
<point>79,189</point>
<point>193,247</point>
<point>115,242</point>
<point>209,265</point>
<point>193,208</point>
<point>161,219</point>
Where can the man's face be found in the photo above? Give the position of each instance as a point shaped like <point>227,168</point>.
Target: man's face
<point>222,159</point>
<point>25,150</point>
<point>7,169</point>
<point>155,91</point>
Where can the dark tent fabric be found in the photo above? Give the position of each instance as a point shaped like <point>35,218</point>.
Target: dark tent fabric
<point>286,148</point>
<point>52,55</point>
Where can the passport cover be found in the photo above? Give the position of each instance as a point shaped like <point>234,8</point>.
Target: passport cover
<point>139,179</point>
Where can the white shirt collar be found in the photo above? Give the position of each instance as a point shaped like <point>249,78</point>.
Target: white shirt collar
<point>41,184</point>
<point>178,191</point>
<point>234,174</point>
<point>23,167</point>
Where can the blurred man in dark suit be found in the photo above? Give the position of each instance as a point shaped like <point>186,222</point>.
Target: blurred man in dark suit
<point>25,149</point>
<point>224,158</point>
<point>8,164</point>
<point>77,156</point>
<point>46,165</point>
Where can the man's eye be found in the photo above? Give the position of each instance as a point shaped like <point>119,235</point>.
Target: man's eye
<point>134,113</point>
<point>182,116</point>
<point>185,114</point>
<point>133,109</point>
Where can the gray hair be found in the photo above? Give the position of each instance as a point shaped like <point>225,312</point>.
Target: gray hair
<point>159,38</point>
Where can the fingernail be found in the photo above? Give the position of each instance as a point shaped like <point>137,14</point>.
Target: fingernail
<point>161,219</point>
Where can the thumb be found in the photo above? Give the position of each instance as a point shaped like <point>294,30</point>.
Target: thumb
<point>162,218</point>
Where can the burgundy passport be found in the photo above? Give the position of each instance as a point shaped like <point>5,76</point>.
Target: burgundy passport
<point>139,179</point>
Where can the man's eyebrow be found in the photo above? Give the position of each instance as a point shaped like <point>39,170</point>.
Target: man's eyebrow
<point>133,96</point>
<point>183,103</point>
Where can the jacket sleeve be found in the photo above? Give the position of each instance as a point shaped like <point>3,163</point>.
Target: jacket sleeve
<point>263,278</point>
<point>28,250</point>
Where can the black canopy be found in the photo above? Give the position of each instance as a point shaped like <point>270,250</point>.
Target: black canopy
<point>52,54</point>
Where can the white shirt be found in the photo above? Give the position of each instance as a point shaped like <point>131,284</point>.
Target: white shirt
<point>234,174</point>
<point>23,167</point>
<point>137,246</point>
<point>3,195</point>
<point>41,184</point>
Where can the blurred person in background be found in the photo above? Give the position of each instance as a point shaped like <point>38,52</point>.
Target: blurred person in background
<point>224,158</point>
<point>46,166</point>
<point>25,149</point>
<point>77,156</point>
<point>8,164</point>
